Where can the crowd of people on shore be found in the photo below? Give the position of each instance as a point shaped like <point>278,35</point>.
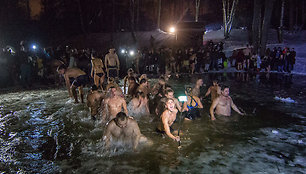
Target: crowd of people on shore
<point>30,63</point>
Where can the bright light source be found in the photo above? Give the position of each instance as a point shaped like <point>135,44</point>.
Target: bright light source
<point>171,29</point>
<point>34,47</point>
<point>132,53</point>
<point>182,98</point>
<point>123,51</point>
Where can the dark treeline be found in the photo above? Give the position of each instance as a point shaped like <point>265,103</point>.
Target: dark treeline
<point>67,18</point>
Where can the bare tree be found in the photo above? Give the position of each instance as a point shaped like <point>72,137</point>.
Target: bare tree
<point>256,24</point>
<point>158,14</point>
<point>132,17</point>
<point>281,23</point>
<point>197,10</point>
<point>81,16</point>
<point>228,16</point>
<point>266,25</point>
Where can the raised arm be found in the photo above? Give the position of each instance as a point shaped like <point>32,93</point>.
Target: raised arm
<point>212,108</point>
<point>208,92</point>
<point>92,68</point>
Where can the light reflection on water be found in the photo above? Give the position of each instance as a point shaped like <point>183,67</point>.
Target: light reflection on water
<point>44,132</point>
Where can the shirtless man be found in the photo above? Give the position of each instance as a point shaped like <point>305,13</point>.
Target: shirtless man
<point>113,105</point>
<point>112,63</point>
<point>214,90</point>
<point>223,105</point>
<point>197,89</point>
<point>143,87</point>
<point>167,119</point>
<point>169,93</point>
<point>80,79</point>
<point>124,129</point>
<point>130,73</point>
<point>97,72</point>
<point>94,99</point>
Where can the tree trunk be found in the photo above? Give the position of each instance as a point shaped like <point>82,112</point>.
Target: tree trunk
<point>228,18</point>
<point>28,10</point>
<point>224,17</point>
<point>291,15</point>
<point>197,10</point>
<point>281,23</point>
<point>132,15</point>
<point>137,15</point>
<point>266,25</point>
<point>256,24</point>
<point>81,16</point>
<point>158,15</point>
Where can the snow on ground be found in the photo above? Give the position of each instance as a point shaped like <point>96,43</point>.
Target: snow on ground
<point>239,39</point>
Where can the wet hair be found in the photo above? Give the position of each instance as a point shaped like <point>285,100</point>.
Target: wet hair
<point>121,116</point>
<point>223,87</point>
<point>62,66</point>
<point>162,78</point>
<point>140,94</point>
<point>94,88</point>
<point>111,79</point>
<point>188,90</point>
<point>132,78</point>
<point>168,91</point>
<point>143,81</point>
<point>168,99</point>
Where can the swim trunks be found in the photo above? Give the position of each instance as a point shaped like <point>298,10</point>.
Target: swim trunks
<point>112,71</point>
<point>100,74</point>
<point>163,132</point>
<point>81,80</point>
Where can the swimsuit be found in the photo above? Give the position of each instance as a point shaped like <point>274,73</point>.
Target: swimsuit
<point>193,111</point>
<point>112,72</point>
<point>81,80</point>
<point>100,74</point>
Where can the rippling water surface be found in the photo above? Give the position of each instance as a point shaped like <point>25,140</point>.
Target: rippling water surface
<point>42,131</point>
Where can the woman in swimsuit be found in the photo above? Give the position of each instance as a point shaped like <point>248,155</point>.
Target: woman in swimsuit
<point>192,105</point>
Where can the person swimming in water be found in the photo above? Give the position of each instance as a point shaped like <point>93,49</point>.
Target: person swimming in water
<point>124,129</point>
<point>113,104</point>
<point>80,79</point>
<point>138,106</point>
<point>94,99</point>
<point>167,119</point>
<point>143,87</point>
<point>214,91</point>
<point>97,72</point>
<point>192,105</point>
<point>128,81</point>
<point>223,104</point>
<point>196,91</point>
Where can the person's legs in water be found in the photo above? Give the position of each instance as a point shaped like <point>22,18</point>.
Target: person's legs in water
<point>81,93</point>
<point>74,93</point>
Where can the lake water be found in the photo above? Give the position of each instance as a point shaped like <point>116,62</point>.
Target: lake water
<point>42,131</point>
